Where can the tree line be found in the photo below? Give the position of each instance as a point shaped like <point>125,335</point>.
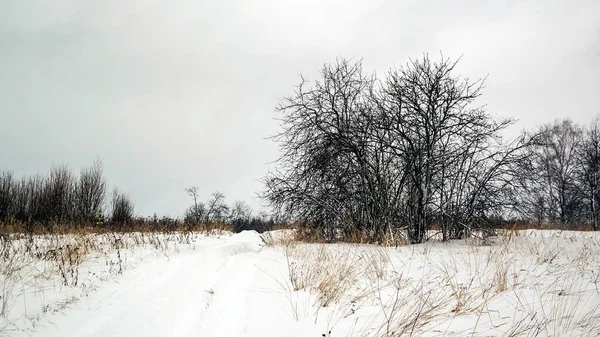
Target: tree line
<point>412,151</point>
<point>62,199</point>
<point>558,181</point>
<point>216,210</point>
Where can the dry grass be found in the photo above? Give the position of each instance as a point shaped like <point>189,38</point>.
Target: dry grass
<point>566,312</point>
<point>278,238</point>
<point>518,283</point>
<point>326,273</point>
<point>14,227</point>
<point>387,238</point>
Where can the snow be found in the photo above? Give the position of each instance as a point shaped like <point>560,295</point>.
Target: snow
<point>529,283</point>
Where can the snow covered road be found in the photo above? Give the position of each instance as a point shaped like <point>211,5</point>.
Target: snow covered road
<point>215,290</point>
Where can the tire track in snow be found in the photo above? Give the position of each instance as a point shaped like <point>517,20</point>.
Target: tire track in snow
<point>227,314</point>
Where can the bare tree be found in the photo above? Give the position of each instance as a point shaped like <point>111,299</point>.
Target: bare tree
<point>122,208</point>
<point>456,164</point>
<point>7,190</point>
<point>216,209</point>
<point>197,212</point>
<point>330,160</point>
<point>551,187</point>
<point>193,192</point>
<point>240,210</point>
<point>590,170</point>
<point>240,216</point>
<point>90,193</point>
<point>29,199</point>
<point>57,195</point>
<point>361,154</point>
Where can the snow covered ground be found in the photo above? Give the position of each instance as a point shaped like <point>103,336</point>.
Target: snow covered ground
<point>529,283</point>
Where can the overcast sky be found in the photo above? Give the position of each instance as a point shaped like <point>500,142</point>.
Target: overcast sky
<point>172,94</point>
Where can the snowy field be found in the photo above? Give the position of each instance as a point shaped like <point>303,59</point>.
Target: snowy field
<point>528,283</point>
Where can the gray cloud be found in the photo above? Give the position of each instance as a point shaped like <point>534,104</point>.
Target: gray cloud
<point>175,94</point>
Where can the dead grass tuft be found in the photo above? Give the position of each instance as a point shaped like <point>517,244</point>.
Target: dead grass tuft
<point>328,273</point>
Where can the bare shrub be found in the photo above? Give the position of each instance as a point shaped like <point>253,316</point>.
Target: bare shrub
<point>122,208</point>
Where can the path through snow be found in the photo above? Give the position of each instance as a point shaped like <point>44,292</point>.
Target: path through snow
<point>217,290</point>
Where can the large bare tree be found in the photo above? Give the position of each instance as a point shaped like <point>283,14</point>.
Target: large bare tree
<point>455,160</point>
<point>376,156</point>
